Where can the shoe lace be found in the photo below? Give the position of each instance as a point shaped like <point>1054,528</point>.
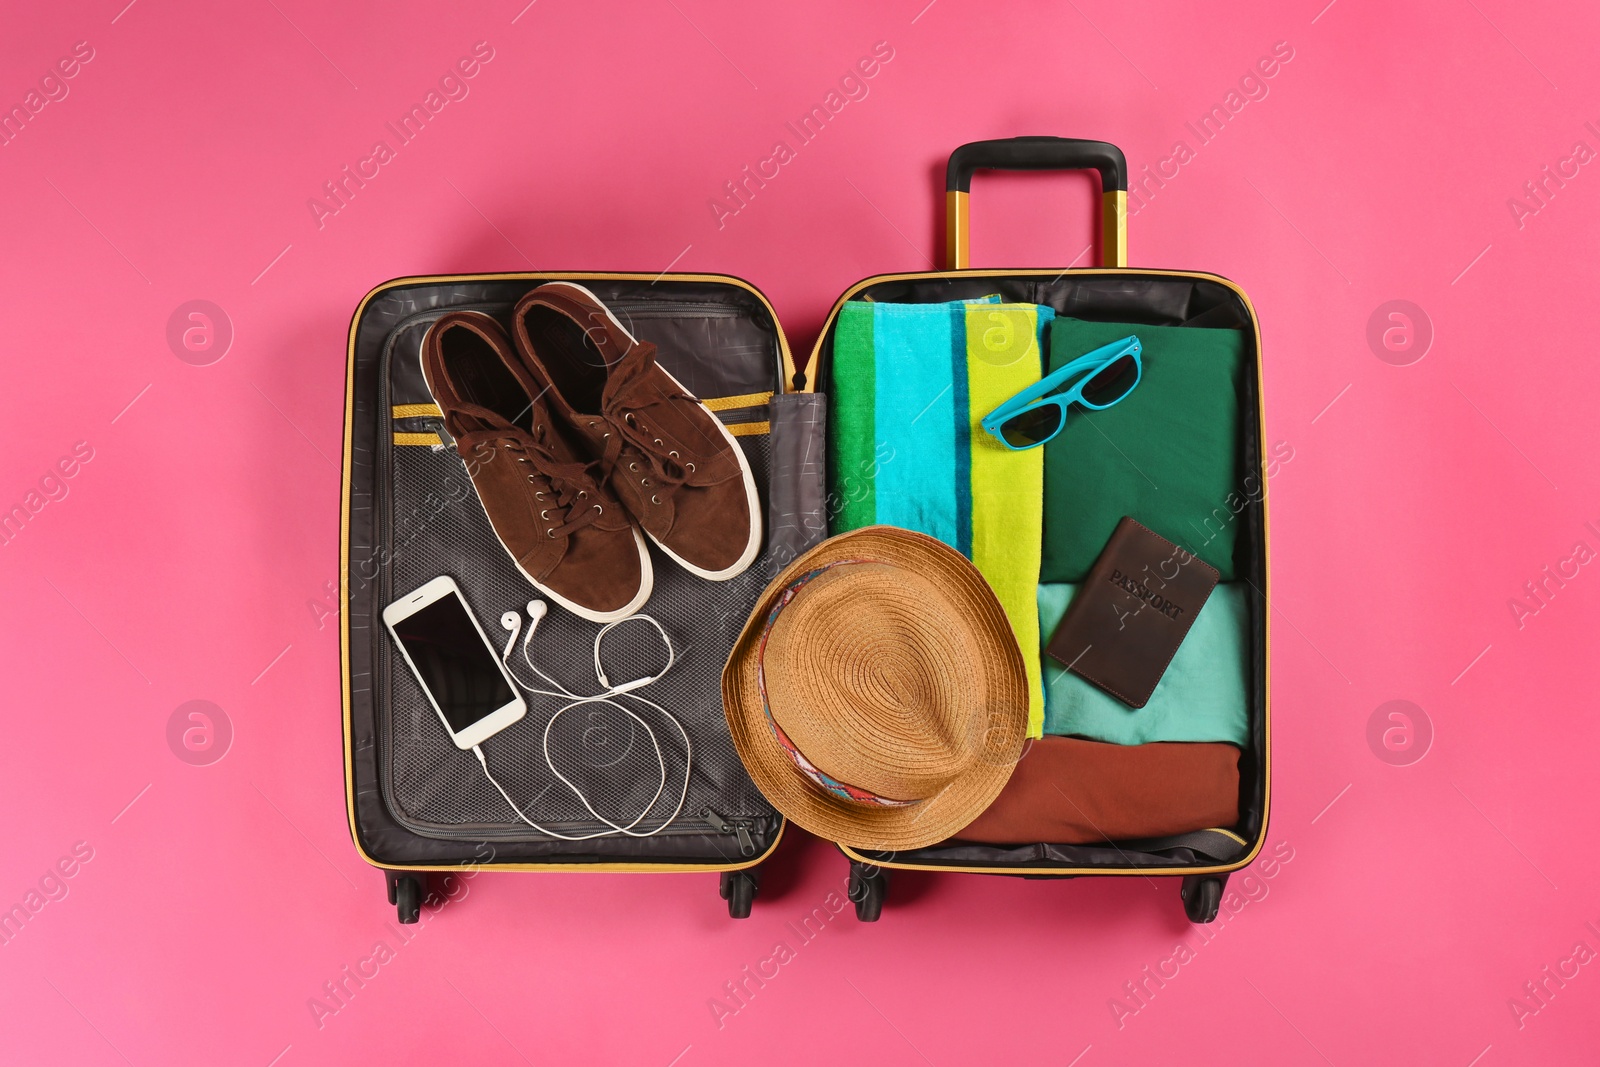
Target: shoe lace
<point>626,410</point>
<point>566,487</point>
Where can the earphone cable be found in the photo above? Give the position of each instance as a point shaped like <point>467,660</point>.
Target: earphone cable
<point>512,621</point>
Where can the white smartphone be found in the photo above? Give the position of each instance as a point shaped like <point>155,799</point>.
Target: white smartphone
<point>446,649</point>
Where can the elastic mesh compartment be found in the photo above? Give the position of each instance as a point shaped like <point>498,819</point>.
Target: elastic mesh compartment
<point>438,527</point>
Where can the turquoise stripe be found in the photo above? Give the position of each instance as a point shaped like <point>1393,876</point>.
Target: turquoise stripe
<point>961,417</point>
<point>914,409</point>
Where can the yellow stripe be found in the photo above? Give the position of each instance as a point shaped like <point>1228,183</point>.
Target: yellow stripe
<point>749,429</point>
<point>417,411</point>
<point>1006,488</point>
<point>417,439</point>
<point>724,403</point>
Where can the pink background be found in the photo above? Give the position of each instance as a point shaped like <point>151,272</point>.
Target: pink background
<point>191,556</point>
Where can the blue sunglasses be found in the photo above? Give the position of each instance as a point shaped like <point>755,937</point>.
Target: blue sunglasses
<point>1104,376</point>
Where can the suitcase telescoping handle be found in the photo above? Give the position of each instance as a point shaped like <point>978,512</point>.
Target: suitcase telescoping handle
<point>1039,153</point>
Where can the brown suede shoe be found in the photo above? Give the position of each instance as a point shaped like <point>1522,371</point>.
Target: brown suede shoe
<point>565,531</point>
<point>671,462</point>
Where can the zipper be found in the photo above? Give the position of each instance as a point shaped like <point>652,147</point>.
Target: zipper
<point>647,308</point>
<point>739,828</point>
<point>384,505</point>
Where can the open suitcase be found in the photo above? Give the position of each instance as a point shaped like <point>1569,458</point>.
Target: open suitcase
<point>1116,293</point>
<point>417,806</point>
<point>416,803</point>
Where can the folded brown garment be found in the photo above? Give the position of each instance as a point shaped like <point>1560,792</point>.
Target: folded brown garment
<point>1071,792</point>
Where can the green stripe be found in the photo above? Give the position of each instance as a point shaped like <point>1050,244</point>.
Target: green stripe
<point>852,429</point>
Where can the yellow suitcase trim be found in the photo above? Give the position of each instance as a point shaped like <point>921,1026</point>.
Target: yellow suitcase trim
<point>726,403</point>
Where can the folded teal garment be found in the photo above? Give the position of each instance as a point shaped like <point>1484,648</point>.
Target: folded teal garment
<point>1203,696</point>
<point>921,488</point>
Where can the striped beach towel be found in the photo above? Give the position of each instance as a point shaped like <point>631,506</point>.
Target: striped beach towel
<point>910,384</point>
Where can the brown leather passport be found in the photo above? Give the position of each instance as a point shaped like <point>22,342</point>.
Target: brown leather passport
<point>1132,612</point>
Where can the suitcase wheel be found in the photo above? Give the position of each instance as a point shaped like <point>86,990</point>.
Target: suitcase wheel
<point>868,887</point>
<point>738,888</point>
<point>1202,896</point>
<point>405,893</point>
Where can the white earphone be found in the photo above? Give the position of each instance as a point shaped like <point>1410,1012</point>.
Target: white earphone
<point>537,610</point>
<point>511,621</point>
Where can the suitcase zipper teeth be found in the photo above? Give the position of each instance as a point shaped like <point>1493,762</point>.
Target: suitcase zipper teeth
<point>632,307</point>
<point>383,490</point>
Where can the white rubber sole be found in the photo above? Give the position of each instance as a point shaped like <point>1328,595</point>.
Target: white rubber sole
<point>646,584</point>
<point>646,571</point>
<point>753,499</point>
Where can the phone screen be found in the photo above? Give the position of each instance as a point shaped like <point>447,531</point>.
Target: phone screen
<point>456,665</point>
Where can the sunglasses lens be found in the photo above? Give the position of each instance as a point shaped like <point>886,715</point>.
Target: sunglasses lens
<point>1111,384</point>
<point>1032,427</point>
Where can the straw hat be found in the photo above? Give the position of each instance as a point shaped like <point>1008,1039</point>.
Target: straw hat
<point>877,695</point>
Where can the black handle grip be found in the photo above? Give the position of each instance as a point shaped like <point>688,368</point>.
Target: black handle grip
<point>1037,153</point>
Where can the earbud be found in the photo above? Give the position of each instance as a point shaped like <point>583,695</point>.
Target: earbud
<point>512,622</point>
<point>537,610</point>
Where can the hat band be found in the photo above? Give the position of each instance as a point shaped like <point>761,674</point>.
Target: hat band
<point>842,790</point>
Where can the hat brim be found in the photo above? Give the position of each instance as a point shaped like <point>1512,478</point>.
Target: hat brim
<point>978,616</point>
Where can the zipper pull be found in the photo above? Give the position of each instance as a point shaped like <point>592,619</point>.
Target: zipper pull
<point>740,830</point>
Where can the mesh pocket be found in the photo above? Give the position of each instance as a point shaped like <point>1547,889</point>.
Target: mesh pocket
<point>437,526</point>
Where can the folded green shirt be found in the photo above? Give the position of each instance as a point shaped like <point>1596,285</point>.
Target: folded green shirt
<point>1168,454</point>
<point>1203,696</point>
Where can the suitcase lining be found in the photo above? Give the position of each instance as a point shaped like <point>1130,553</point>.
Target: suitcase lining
<point>410,804</point>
